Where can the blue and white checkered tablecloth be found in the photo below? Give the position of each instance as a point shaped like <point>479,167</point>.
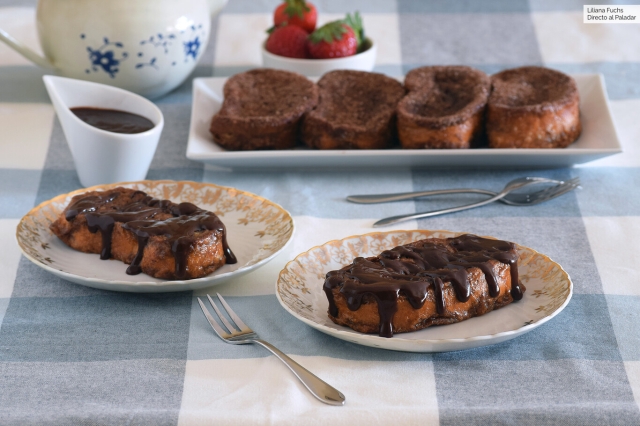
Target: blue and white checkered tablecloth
<point>75,355</point>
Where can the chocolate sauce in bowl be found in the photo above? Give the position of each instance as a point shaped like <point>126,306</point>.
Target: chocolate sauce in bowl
<point>113,120</point>
<point>146,217</point>
<point>411,270</point>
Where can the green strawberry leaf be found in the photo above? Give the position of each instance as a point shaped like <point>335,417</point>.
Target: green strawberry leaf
<point>328,32</point>
<point>296,7</point>
<point>355,22</point>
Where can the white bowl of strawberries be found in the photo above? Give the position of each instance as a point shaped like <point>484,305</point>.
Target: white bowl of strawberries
<point>294,43</point>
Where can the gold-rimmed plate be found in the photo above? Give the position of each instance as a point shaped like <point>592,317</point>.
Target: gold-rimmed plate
<point>257,230</point>
<point>299,291</point>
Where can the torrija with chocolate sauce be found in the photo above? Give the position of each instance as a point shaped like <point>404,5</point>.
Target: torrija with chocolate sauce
<point>158,237</point>
<point>428,282</point>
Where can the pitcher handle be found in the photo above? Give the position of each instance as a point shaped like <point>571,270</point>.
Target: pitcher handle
<point>25,51</point>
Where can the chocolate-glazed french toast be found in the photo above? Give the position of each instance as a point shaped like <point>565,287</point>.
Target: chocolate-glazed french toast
<point>158,237</point>
<point>424,283</point>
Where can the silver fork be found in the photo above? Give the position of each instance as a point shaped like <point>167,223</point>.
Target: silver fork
<point>511,199</point>
<point>543,195</point>
<point>241,334</point>
<point>524,200</point>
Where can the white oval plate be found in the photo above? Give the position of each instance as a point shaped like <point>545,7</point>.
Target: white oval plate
<point>257,230</point>
<point>299,290</point>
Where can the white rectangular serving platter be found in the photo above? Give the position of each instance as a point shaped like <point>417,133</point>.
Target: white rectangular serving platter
<point>598,139</point>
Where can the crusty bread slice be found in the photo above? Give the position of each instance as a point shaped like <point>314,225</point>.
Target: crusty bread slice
<point>533,107</point>
<point>262,109</point>
<point>444,107</point>
<point>356,110</point>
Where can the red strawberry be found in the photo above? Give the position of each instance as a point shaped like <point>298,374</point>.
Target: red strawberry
<point>289,41</point>
<point>296,12</point>
<point>333,40</point>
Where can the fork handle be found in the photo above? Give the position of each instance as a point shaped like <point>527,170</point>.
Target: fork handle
<point>321,390</point>
<point>385,198</point>
<point>401,218</point>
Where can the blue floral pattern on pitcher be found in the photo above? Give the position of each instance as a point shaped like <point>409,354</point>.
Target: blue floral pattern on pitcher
<point>191,48</point>
<point>106,57</point>
<point>109,56</point>
<point>160,40</point>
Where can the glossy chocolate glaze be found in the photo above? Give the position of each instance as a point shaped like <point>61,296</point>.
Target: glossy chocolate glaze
<point>113,120</point>
<point>146,217</point>
<point>411,270</point>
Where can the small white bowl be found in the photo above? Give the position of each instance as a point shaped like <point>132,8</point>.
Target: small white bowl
<point>363,61</point>
<point>103,157</point>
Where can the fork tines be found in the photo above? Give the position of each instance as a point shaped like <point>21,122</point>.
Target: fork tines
<point>232,330</point>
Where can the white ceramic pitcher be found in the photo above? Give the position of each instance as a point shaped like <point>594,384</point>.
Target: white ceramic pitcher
<point>145,46</point>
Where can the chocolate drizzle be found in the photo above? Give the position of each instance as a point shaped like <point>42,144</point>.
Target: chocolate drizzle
<point>411,269</point>
<point>147,217</point>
